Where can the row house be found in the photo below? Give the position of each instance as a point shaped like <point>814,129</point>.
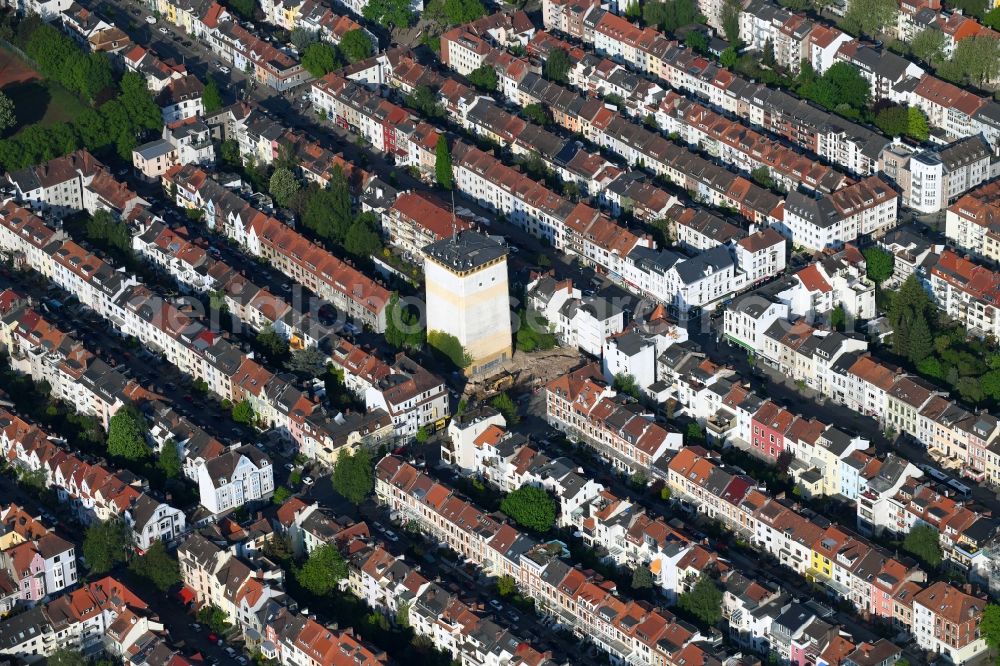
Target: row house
<point>585,323</point>
<point>95,492</point>
<point>101,617</point>
<point>266,63</point>
<point>240,476</point>
<point>303,261</point>
<point>415,220</point>
<point>36,562</point>
<point>629,631</point>
<point>413,397</point>
<point>70,184</point>
<point>214,575</point>
<point>165,329</point>
<point>931,179</point>
<point>966,292</point>
<point>834,139</point>
<point>971,223</point>
<point>582,404</point>
<point>157,73</point>
<point>848,565</point>
<point>866,209</point>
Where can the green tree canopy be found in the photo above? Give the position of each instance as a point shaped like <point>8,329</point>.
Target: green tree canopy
<point>106,544</point>
<point>127,435</point>
<point>917,126</point>
<point>506,586</point>
<point>363,239</point>
<point>169,461</point>
<point>442,164</point>
<point>402,328</point>
<point>536,113</point>
<point>454,12</point>
<point>328,211</point>
<point>158,566</point>
<point>841,84</point>
<point>356,45</point>
<point>642,578</point>
<point>273,347</point>
<point>869,17</point>
<point>214,618</point>
<point>704,601</point>
<point>449,346</point>
<point>503,404</point>
<point>7,117</point>
<point>531,508</point>
<point>729,57</point>
<point>307,362</point>
<point>909,304</point>
<point>697,41</point>
<point>879,264</point>
<point>283,186</point>
<point>353,475</point>
<point>929,45</point>
<point>624,383</point>
<point>989,626</point>
<point>924,543</point>
<point>484,78</point>
<point>389,13</point>
<point>671,14</point>
<point>211,98</point>
<point>320,58</point>
<point>323,570</point>
<point>731,23</point>
<point>243,412</point>
<point>557,66</point>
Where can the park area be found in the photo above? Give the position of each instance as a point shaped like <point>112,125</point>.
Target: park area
<point>36,100</point>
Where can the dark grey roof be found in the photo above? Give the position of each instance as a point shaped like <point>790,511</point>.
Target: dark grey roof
<point>466,250</point>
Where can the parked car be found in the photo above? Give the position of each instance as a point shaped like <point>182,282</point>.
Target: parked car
<point>150,20</point>
<point>164,30</point>
<point>224,69</point>
<point>496,604</point>
<point>960,488</point>
<point>308,480</point>
<point>212,636</point>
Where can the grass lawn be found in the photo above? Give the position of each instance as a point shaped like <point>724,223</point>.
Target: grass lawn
<point>36,100</point>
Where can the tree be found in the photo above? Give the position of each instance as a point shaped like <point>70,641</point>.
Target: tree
<point>920,343</point>
<point>442,164</point>
<point>728,57</point>
<point>307,362</point>
<point>762,176</point>
<point>838,318</point>
<point>105,545</point>
<point>328,211</point>
<point>214,618</point>
<point>353,476</point>
<point>989,627</point>
<point>869,17</point>
<point>484,78</point>
<point>7,116</point>
<point>169,461</point>
<point>924,543</point>
<point>66,657</point>
<point>633,11</point>
<point>503,404</point>
<point>389,13</point>
<point>281,495</point>
<point>537,113</point>
<point>557,66</point>
<point>425,101</point>
<point>157,566</point>
<point>272,346</point>
<point>211,97</point>
<point>879,264</point>
<point>624,383</point>
<point>506,586</point>
<point>245,8</point>
<point>704,601</point>
<point>893,120</point>
<point>642,578</point>
<point>695,433</point>
<point>363,239</point>
<point>355,45</point>
<point>908,304</point>
<point>127,435</point>
<point>243,412</point>
<point>840,84</point>
<point>453,12</point>
<point>319,58</point>
<point>402,325</point>
<point>767,57</point>
<point>731,23</point>
<point>322,571</point>
<point>929,45</point>
<point>303,37</point>
<point>976,59</point>
<point>530,507</point>
<point>698,42</point>
<point>449,346</point>
<point>916,125</point>
<point>283,186</point>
